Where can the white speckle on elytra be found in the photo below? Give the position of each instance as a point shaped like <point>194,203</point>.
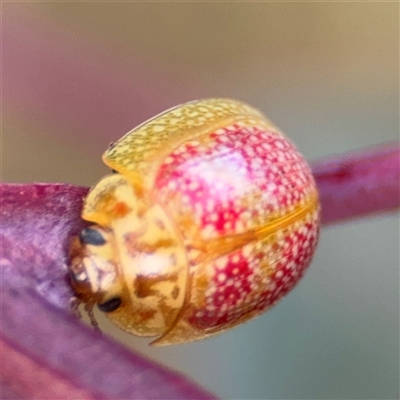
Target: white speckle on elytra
<point>213,217</point>
<point>221,277</point>
<point>200,314</point>
<point>193,186</point>
<point>279,274</point>
<point>239,227</point>
<point>235,258</point>
<point>209,207</point>
<point>227,225</point>
<point>208,231</point>
<point>246,215</point>
<point>172,185</point>
<point>247,250</point>
<point>210,291</point>
<point>281,159</point>
<point>221,262</point>
<point>158,128</point>
<point>185,199</point>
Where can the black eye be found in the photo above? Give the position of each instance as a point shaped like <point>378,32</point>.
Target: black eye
<point>110,305</point>
<point>91,236</point>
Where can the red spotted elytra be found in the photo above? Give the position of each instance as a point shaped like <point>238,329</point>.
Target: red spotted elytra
<point>211,217</point>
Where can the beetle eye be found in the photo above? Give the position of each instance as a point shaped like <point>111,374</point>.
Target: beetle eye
<point>91,236</point>
<point>110,305</point>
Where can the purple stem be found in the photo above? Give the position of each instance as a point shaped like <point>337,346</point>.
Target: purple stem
<point>360,183</point>
<point>47,354</point>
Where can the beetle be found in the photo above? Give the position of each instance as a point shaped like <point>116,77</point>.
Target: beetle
<point>211,215</point>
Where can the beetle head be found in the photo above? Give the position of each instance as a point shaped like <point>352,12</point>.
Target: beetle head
<point>92,269</point>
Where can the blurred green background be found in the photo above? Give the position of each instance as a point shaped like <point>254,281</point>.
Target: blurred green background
<point>78,75</point>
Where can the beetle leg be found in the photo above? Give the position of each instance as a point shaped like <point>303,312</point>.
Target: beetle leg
<point>74,306</point>
<point>89,309</point>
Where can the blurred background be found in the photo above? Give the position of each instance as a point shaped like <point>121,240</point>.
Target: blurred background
<point>77,76</point>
